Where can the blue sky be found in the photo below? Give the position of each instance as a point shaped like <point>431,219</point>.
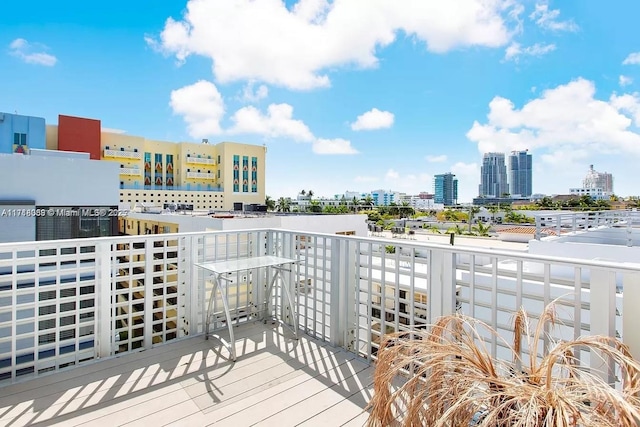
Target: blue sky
<point>351,95</point>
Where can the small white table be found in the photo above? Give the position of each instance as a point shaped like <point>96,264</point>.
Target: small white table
<point>220,268</point>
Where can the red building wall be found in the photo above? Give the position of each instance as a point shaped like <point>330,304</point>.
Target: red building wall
<point>79,135</point>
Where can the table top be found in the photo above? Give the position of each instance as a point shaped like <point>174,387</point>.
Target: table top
<point>233,265</point>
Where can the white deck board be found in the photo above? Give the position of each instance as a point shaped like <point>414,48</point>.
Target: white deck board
<point>275,381</point>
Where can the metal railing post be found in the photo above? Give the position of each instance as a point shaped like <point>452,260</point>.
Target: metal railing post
<point>149,244</point>
<point>602,284</point>
<point>442,284</point>
<point>630,313</point>
<point>103,299</point>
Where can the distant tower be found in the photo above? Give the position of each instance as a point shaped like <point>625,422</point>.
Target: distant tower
<point>445,189</point>
<point>602,180</point>
<point>493,175</point>
<point>520,173</point>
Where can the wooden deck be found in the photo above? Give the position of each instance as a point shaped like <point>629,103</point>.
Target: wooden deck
<point>275,381</point>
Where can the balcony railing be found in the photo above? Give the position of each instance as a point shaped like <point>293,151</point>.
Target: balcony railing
<point>65,303</point>
<point>201,161</point>
<point>572,222</point>
<point>201,175</point>
<point>167,188</point>
<point>122,154</point>
<point>131,171</point>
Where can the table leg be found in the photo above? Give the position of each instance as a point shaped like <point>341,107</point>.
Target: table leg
<point>225,304</point>
<point>294,313</point>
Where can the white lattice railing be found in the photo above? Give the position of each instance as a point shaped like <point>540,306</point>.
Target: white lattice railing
<point>63,303</point>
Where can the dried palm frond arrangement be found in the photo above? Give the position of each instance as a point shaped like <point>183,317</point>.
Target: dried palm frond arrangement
<point>449,378</point>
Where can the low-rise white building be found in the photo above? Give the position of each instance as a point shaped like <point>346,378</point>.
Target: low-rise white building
<point>56,195</point>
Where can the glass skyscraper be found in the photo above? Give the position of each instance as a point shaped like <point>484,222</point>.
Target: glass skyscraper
<point>493,175</point>
<point>520,174</point>
<point>445,189</point>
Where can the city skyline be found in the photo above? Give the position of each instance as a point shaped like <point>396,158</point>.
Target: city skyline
<point>399,94</point>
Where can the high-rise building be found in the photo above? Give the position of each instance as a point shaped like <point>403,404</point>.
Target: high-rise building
<point>520,174</point>
<point>445,188</point>
<point>493,175</point>
<point>598,180</point>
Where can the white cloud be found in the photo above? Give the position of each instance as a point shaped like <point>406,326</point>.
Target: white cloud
<point>515,51</point>
<point>363,178</point>
<point>468,175</point>
<point>391,174</point>
<point>277,122</point>
<point>409,183</point>
<point>265,41</point>
<point>566,115</point>
<point>567,128</point>
<point>333,146</point>
<point>436,159</point>
<point>32,53</point>
<point>373,119</point>
<point>548,19</point>
<point>633,58</point>
<point>625,80</point>
<point>201,106</point>
<point>253,96</point>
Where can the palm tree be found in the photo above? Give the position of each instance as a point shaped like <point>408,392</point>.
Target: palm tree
<point>314,206</point>
<point>494,210</point>
<point>283,205</point>
<point>454,380</point>
<point>355,202</point>
<point>482,229</point>
<point>368,201</point>
<point>303,192</point>
<point>310,193</point>
<point>456,229</point>
<point>271,204</point>
<point>434,229</point>
<point>473,210</point>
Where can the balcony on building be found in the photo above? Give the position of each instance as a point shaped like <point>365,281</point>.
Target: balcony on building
<point>110,331</point>
<point>199,160</point>
<point>124,170</point>
<point>201,175</point>
<point>121,153</point>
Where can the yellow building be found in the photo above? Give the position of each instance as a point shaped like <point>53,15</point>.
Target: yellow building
<point>207,176</point>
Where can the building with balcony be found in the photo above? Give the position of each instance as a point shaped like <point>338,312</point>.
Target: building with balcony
<point>111,331</point>
<point>208,176</point>
<point>20,133</point>
<point>384,198</point>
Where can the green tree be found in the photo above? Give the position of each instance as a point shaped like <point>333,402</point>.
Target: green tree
<point>368,201</point>
<point>314,206</point>
<point>473,210</point>
<point>433,228</point>
<point>270,203</point>
<point>482,229</point>
<point>456,229</point>
<point>493,209</point>
<point>283,205</point>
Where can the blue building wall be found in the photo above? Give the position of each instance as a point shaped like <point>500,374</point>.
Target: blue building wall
<point>31,130</point>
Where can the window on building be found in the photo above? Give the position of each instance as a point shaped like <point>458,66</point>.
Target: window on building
<point>20,139</point>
